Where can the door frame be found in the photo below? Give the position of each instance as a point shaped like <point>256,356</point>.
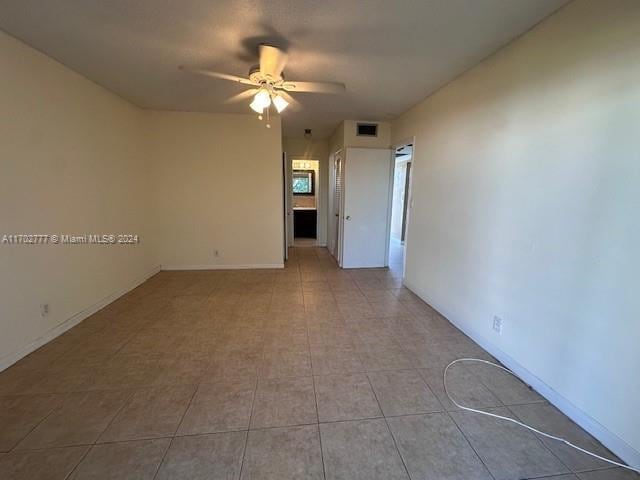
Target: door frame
<point>405,203</point>
<point>409,201</point>
<point>318,193</point>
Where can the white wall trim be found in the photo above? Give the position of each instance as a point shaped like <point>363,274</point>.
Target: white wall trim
<point>10,358</point>
<point>251,266</point>
<point>609,439</point>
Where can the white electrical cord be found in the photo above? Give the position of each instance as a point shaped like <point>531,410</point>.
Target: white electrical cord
<point>562,440</point>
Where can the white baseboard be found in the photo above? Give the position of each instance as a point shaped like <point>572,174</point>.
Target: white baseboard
<point>254,266</point>
<point>12,357</point>
<point>609,439</point>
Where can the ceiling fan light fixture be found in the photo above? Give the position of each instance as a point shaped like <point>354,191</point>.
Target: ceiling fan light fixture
<point>268,83</point>
<point>262,99</point>
<point>256,107</point>
<point>280,103</point>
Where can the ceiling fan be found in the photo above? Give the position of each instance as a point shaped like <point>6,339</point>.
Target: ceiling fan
<point>269,84</point>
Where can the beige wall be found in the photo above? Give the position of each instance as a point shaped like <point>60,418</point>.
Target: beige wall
<point>218,186</point>
<point>345,136</point>
<point>76,159</point>
<point>526,195</point>
<point>71,162</point>
<point>383,140</point>
<point>301,149</point>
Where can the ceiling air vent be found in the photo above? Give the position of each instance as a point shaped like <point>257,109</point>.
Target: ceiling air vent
<point>367,130</point>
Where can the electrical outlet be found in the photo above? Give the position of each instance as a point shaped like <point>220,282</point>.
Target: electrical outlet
<point>497,325</point>
<point>44,309</point>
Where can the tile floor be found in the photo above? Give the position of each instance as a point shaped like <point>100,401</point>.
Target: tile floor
<point>304,242</point>
<point>309,372</point>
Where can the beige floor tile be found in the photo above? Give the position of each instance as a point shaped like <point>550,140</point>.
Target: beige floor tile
<point>360,450</point>
<point>345,397</point>
<point>284,401</point>
<point>150,413</point>
<point>507,388</point>
<point>79,421</point>
<point>20,414</point>
<point>219,407</point>
<point>51,464</point>
<point>116,461</point>
<point>433,447</point>
<point>547,418</point>
<point>507,450</point>
<point>18,380</point>
<point>463,387</point>
<point>335,359</point>
<point>237,363</point>
<point>383,357</point>
<point>293,361</point>
<point>204,457</point>
<point>67,378</point>
<point>279,453</point>
<point>609,474</point>
<point>403,392</point>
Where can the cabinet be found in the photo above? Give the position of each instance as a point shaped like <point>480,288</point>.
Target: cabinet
<point>304,223</point>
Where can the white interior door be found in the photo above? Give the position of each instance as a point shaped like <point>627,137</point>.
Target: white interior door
<point>367,180</point>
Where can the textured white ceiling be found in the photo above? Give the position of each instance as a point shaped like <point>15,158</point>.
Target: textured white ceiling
<point>389,53</point>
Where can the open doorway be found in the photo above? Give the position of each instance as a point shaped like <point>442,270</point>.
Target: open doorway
<point>400,207</point>
<point>304,201</point>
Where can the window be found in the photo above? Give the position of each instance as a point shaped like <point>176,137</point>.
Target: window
<point>303,182</point>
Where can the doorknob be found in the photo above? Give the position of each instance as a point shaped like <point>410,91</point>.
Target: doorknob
<point>348,217</point>
<point>337,214</point>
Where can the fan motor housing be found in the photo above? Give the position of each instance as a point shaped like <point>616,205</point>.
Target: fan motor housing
<point>255,75</point>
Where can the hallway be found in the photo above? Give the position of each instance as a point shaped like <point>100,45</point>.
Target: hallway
<point>309,372</point>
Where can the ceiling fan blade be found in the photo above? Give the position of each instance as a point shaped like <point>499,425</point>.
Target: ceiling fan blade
<point>314,87</point>
<point>293,103</point>
<point>242,96</point>
<point>222,76</point>
<point>272,61</point>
